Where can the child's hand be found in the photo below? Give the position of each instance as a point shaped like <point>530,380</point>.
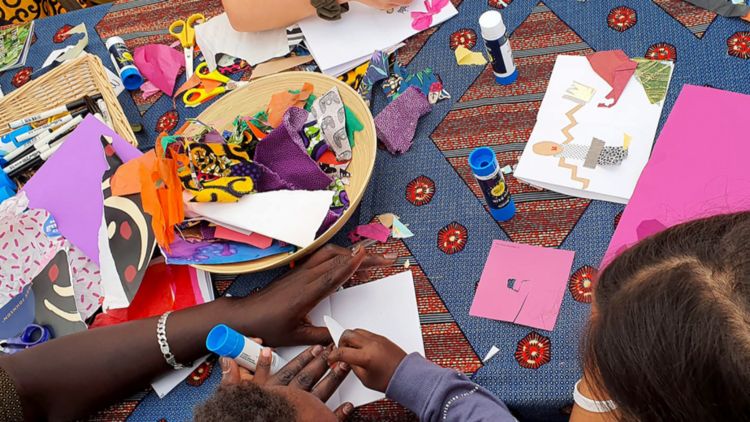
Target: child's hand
<point>372,357</point>
<point>385,4</point>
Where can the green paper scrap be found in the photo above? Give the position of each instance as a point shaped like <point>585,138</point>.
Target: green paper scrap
<point>309,103</point>
<point>400,231</point>
<point>353,125</point>
<point>653,75</point>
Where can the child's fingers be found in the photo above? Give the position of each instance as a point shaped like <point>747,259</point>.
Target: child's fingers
<point>354,338</point>
<point>343,411</point>
<point>354,357</point>
<point>245,374</point>
<point>263,368</point>
<point>325,388</point>
<point>313,372</point>
<point>230,371</point>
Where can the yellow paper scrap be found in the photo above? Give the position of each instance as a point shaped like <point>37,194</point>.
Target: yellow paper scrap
<point>464,56</point>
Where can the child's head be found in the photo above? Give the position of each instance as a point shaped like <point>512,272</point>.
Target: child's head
<point>669,338</point>
<point>248,402</point>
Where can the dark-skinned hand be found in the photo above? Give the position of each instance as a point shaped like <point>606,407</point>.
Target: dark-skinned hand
<point>304,372</point>
<point>373,358</point>
<point>278,312</point>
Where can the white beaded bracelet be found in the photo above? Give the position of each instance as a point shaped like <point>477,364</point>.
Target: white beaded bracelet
<point>594,406</point>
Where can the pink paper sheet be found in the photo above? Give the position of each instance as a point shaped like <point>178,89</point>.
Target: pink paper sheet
<point>69,184</point>
<point>523,284</point>
<point>196,287</point>
<point>160,64</point>
<point>375,231</point>
<point>697,169</point>
<point>254,239</point>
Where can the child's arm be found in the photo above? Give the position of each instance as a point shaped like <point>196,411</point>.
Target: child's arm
<point>432,392</point>
<point>261,15</point>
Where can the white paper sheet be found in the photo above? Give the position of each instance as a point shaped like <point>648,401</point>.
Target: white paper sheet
<point>168,381</point>
<point>633,115</point>
<point>290,216</point>
<point>217,36</point>
<point>360,32</point>
<point>387,307</point>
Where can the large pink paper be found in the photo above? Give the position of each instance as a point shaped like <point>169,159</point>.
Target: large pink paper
<point>697,169</point>
<point>160,64</point>
<point>254,239</point>
<point>523,284</point>
<point>69,184</point>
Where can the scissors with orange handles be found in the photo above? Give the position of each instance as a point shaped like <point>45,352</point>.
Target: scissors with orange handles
<point>197,96</point>
<point>183,31</point>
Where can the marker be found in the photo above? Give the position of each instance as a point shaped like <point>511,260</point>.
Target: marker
<point>46,140</point>
<point>51,125</point>
<point>38,158</point>
<point>49,113</point>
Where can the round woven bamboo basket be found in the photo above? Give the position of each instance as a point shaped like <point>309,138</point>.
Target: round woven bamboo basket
<point>254,97</point>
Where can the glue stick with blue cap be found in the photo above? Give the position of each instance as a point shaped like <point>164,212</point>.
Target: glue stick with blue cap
<point>495,36</point>
<point>483,163</point>
<point>123,61</point>
<point>226,342</point>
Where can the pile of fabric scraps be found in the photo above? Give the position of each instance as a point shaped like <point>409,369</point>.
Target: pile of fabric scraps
<point>409,97</point>
<point>385,227</point>
<point>273,183</point>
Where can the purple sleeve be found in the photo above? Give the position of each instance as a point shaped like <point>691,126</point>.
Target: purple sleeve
<point>436,393</point>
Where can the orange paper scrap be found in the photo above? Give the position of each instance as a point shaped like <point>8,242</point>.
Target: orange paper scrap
<point>281,101</point>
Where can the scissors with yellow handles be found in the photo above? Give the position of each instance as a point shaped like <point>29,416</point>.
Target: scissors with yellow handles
<point>183,31</point>
<point>196,96</point>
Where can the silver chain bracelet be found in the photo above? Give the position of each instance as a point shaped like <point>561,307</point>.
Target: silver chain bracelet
<point>161,337</point>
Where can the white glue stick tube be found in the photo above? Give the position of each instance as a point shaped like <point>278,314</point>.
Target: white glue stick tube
<point>226,342</point>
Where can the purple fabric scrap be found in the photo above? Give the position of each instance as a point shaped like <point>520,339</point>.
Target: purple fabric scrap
<point>397,123</point>
<point>282,153</point>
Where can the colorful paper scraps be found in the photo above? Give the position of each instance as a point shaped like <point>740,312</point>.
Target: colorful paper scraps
<point>281,153</point>
<point>30,238</point>
<point>329,111</point>
<point>161,192</point>
<point>515,288</point>
<point>55,304</point>
<point>253,239</point>
<point>353,125</point>
<point>160,64</point>
<point>282,101</point>
<point>400,231</point>
<point>397,123</point>
<point>164,288</point>
<point>149,89</point>
<point>465,57</point>
<point>426,80</point>
<point>423,20</point>
<point>289,216</point>
<point>616,68</point>
<point>374,231</point>
<point>376,71</point>
<point>76,200</point>
<point>126,235</point>
<point>195,251</point>
<point>655,76</point>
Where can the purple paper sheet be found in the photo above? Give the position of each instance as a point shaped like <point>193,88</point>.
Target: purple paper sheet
<point>69,184</point>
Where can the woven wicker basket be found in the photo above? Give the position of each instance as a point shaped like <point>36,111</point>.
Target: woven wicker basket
<point>67,83</point>
<point>255,97</point>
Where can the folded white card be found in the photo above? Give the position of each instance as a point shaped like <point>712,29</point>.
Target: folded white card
<point>387,307</point>
<point>291,216</point>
